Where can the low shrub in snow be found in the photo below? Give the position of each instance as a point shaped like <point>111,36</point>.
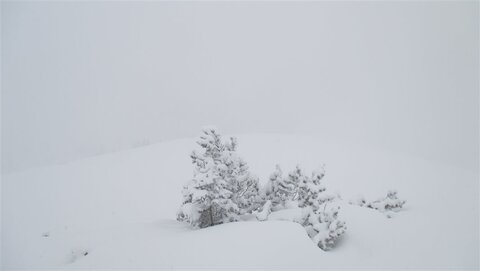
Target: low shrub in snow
<point>309,193</point>
<point>389,204</point>
<point>323,225</point>
<point>266,209</point>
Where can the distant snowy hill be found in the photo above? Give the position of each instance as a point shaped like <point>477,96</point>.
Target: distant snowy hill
<point>118,211</point>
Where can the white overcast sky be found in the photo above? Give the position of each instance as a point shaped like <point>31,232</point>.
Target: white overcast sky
<point>82,78</point>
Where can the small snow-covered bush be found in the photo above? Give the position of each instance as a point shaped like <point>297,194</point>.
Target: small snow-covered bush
<point>359,200</point>
<point>321,216</point>
<point>262,215</point>
<point>389,204</point>
<point>309,194</point>
<point>323,226</point>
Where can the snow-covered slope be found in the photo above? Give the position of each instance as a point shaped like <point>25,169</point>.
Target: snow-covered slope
<point>118,210</point>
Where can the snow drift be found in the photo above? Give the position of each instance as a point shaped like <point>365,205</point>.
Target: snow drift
<point>118,211</point>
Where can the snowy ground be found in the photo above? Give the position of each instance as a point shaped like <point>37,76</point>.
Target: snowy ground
<point>118,211</point>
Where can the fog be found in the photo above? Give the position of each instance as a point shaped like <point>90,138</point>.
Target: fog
<point>85,78</point>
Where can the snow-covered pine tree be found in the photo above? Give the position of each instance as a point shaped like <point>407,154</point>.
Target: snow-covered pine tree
<point>208,196</point>
<point>221,188</point>
<point>247,195</point>
<point>312,192</point>
<point>271,188</point>
<point>279,190</point>
<point>245,186</point>
<point>289,186</point>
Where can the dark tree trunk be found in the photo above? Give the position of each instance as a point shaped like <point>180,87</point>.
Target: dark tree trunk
<point>211,215</point>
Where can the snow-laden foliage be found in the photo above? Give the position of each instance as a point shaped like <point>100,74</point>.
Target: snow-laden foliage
<point>323,225</point>
<point>292,181</point>
<point>247,195</point>
<point>221,188</point>
<point>311,192</point>
<point>387,205</point>
<point>390,203</point>
<point>276,190</point>
<point>262,214</point>
<point>320,214</point>
<point>297,187</point>
<point>282,190</point>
